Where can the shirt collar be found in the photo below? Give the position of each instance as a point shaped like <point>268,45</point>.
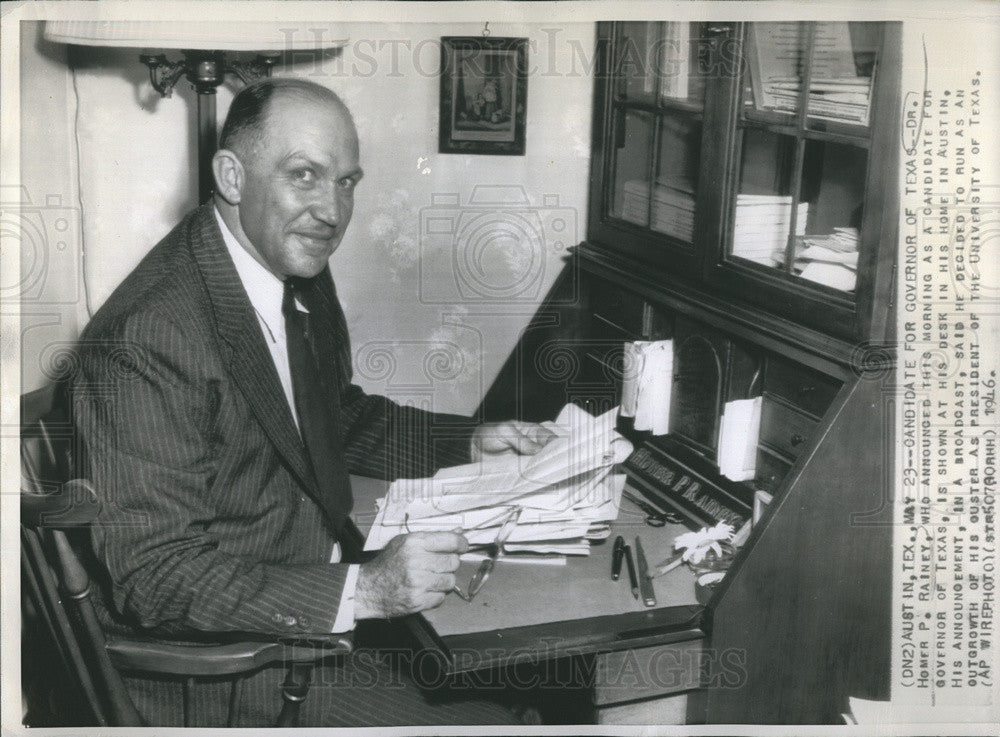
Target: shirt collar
<point>264,289</point>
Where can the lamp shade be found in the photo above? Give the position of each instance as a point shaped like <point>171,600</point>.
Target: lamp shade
<point>210,36</point>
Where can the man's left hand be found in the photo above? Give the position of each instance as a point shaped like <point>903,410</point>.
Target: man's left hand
<point>495,438</point>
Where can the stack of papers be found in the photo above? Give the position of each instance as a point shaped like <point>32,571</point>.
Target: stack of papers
<point>844,99</point>
<point>775,59</point>
<point>647,383</point>
<point>567,493</point>
<point>830,259</point>
<point>761,226</point>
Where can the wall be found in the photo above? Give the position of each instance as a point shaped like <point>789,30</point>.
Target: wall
<point>44,214</point>
<point>432,315</point>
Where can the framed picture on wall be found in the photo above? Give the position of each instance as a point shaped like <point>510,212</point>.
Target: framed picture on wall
<point>484,86</point>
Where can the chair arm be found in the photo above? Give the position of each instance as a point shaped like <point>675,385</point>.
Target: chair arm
<point>72,504</point>
<point>220,660</point>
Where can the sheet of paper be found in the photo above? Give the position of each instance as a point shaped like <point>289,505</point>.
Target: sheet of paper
<point>837,276</point>
<point>738,439</point>
<point>591,443</point>
<point>662,386</point>
<point>631,370</point>
<point>821,253</point>
<point>533,555</point>
<point>655,383</point>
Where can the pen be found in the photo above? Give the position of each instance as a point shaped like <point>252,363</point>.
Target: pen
<point>631,571</point>
<point>616,557</point>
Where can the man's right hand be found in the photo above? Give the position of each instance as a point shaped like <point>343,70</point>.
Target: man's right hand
<point>412,573</point>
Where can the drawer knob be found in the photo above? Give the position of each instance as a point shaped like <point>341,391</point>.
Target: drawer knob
<point>797,440</point>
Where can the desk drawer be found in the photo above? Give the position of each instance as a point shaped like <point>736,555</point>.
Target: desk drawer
<point>771,471</point>
<point>783,428</point>
<point>808,390</point>
<point>641,673</point>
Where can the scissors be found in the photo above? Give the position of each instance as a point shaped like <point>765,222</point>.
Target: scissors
<point>654,517</point>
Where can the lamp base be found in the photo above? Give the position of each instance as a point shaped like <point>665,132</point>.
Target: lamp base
<point>205,70</point>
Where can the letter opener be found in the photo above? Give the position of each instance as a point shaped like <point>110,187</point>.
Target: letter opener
<point>645,583</point>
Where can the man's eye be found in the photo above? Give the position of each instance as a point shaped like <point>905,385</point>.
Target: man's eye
<point>348,183</point>
<point>304,176</point>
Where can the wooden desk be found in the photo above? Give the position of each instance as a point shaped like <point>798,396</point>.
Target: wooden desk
<point>530,612</point>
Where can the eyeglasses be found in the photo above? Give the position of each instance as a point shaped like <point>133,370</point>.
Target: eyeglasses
<point>495,549</point>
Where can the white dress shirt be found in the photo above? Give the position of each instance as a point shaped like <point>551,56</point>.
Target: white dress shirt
<point>266,291</point>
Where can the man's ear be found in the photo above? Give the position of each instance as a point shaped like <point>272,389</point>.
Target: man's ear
<point>229,176</point>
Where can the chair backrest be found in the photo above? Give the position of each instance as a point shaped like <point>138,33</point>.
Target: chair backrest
<point>56,588</point>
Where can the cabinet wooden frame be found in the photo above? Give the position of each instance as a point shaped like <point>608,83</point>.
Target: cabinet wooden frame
<point>609,112</point>
<point>862,318</point>
<point>703,264</point>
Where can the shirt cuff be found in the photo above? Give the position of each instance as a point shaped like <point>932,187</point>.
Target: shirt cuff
<point>345,612</point>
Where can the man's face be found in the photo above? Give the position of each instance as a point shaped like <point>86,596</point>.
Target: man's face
<point>298,193</point>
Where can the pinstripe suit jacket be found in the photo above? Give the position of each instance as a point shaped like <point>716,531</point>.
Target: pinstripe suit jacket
<point>208,518</point>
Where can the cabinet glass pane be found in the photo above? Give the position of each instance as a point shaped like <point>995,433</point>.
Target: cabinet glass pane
<point>775,64</point>
<point>842,72</point>
<point>659,62</point>
<point>827,218</point>
<point>636,62</point>
<point>632,166</point>
<point>763,207</point>
<point>676,178</point>
<point>832,191</point>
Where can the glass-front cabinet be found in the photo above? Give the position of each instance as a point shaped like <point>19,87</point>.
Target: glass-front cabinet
<point>753,160</point>
<point>653,120</point>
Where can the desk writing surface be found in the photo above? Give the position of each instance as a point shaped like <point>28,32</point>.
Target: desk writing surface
<point>524,594</point>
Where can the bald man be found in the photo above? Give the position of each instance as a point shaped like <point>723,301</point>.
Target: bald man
<point>220,423</point>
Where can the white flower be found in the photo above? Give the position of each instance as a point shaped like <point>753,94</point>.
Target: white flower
<point>697,544</point>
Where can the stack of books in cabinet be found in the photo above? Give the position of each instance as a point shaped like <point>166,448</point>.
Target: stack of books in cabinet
<point>761,227</point>
<point>672,212</point>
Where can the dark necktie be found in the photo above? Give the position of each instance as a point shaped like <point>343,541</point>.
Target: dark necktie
<point>318,407</point>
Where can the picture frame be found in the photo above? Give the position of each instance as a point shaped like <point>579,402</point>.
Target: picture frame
<point>484,86</point>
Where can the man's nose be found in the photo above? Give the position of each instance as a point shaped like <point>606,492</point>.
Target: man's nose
<point>327,208</point>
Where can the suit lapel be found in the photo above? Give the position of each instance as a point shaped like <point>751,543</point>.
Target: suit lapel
<point>250,362</point>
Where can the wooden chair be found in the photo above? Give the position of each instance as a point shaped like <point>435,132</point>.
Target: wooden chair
<point>56,591</point>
